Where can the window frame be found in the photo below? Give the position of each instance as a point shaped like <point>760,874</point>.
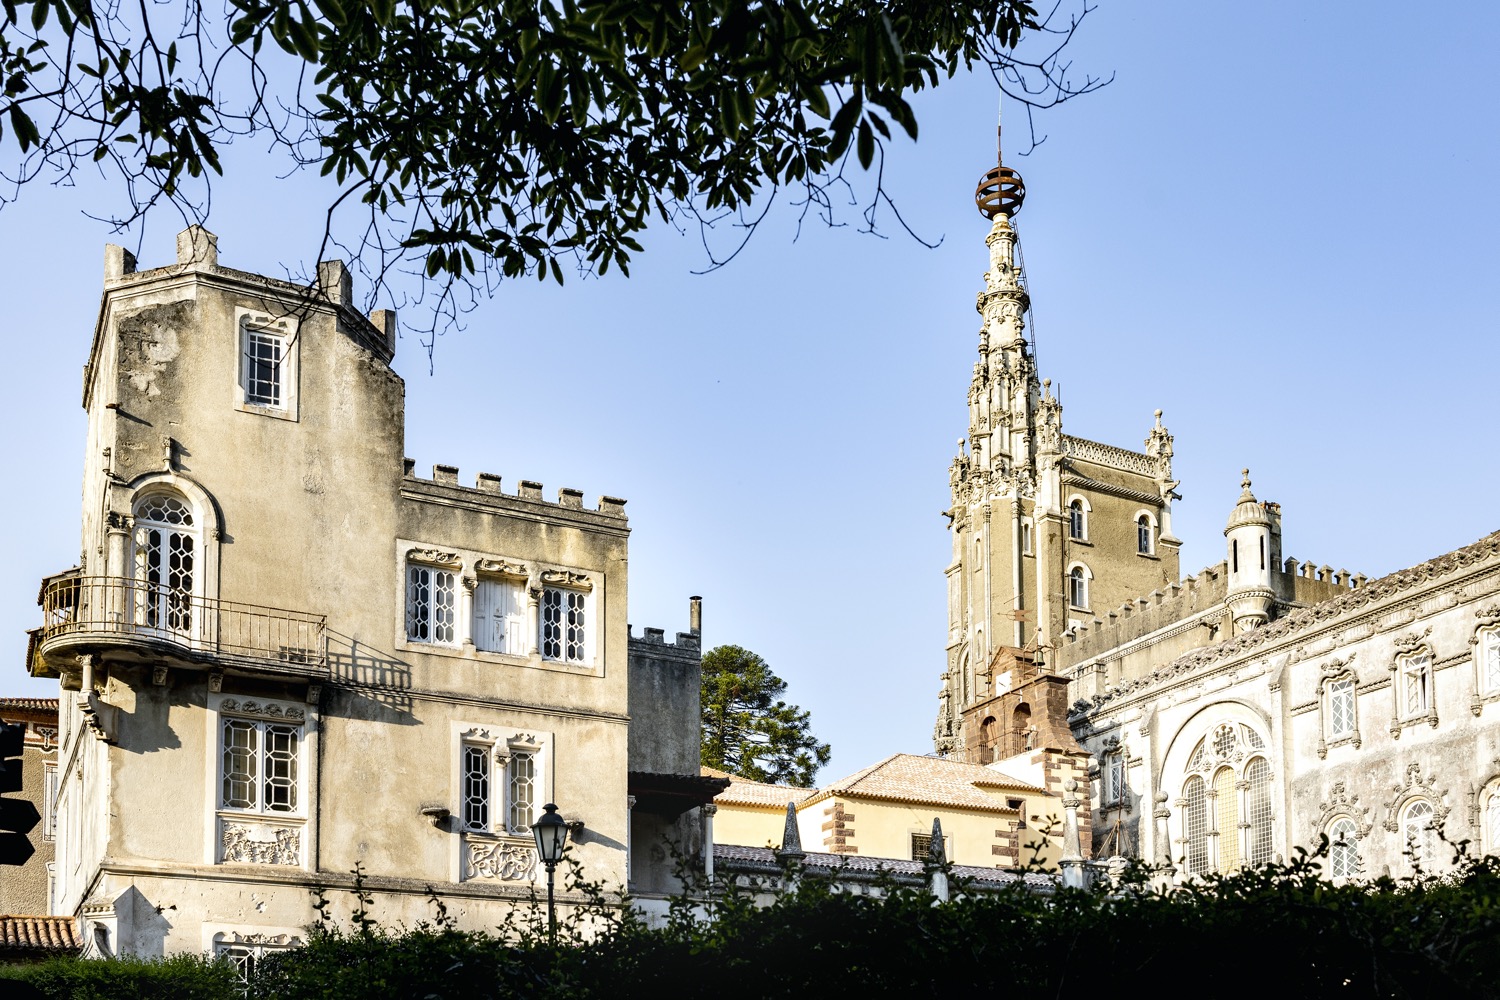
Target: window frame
<point>1486,658</point>
<point>503,748</point>
<point>1403,668</point>
<point>1345,849</point>
<point>429,621</point>
<point>514,621</point>
<point>1425,837</point>
<point>261,806</point>
<point>1078,518</point>
<point>1080,577</point>
<point>571,600</point>
<point>283,331</point>
<point>1146,533</point>
<point>1224,761</point>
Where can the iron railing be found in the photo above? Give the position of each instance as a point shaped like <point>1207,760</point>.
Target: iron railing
<point>80,609</point>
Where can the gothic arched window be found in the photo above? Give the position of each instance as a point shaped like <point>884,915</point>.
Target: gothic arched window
<point>1227,801</point>
<point>1343,848</point>
<point>1078,587</point>
<point>1078,526</point>
<point>165,563</point>
<point>1144,541</point>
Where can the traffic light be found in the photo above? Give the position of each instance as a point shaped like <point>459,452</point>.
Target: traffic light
<point>18,817</point>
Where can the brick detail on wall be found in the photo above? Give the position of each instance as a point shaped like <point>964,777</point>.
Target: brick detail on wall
<point>838,830</point>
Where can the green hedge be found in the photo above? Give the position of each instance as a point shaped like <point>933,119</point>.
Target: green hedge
<point>1279,931</point>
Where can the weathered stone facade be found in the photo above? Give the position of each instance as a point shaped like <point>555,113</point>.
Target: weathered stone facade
<point>27,888</point>
<point>285,656</point>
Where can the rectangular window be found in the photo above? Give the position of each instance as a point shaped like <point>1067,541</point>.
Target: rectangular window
<point>430,601</point>
<point>244,957</point>
<point>1341,707</point>
<point>259,762</point>
<point>520,791</point>
<point>921,846</point>
<point>1416,684</point>
<point>1489,670</point>
<point>476,787</point>
<point>1114,778</point>
<point>49,802</point>
<point>564,625</point>
<point>261,368</point>
<point>500,617</point>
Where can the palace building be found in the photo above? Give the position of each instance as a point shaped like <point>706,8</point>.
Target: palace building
<point>1224,718</point>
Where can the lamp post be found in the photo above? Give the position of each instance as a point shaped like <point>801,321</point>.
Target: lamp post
<point>551,832</point>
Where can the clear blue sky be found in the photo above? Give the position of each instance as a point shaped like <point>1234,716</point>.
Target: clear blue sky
<point>1276,224</point>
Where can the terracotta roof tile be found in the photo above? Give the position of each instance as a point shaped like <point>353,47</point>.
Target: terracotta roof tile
<point>744,792</point>
<point>906,777</point>
<point>28,704</point>
<point>37,934</point>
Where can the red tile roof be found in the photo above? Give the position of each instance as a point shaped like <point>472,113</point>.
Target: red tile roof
<point>28,704</point>
<point>37,934</point>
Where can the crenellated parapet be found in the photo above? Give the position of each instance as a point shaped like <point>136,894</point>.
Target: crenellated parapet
<point>487,491</point>
<point>1198,601</point>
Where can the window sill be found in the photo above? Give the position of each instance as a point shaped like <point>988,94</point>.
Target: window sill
<point>473,653</point>
<point>1148,555</point>
<point>1080,541</point>
<point>264,410</point>
<point>1428,718</point>
<point>1350,738</point>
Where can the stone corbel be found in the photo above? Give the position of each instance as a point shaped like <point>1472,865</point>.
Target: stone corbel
<point>97,716</point>
<point>159,675</point>
<point>216,681</point>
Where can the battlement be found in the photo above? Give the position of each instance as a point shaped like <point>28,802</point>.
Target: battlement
<point>653,642</point>
<point>1307,583</point>
<point>488,485</point>
<point>1138,618</point>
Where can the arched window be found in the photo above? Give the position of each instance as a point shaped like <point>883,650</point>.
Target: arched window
<point>1343,848</point>
<point>1078,587</point>
<point>1078,526</point>
<point>1258,810</point>
<point>1195,825</point>
<point>1227,819</point>
<point>1418,835</point>
<point>1488,642</point>
<point>1145,542</point>
<point>1492,822</point>
<point>165,564</point>
<point>1020,723</point>
<point>1227,801</point>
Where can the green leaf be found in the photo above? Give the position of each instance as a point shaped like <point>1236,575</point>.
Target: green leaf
<point>866,144</point>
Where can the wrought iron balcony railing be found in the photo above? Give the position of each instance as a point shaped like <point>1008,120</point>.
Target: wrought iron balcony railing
<point>82,612</point>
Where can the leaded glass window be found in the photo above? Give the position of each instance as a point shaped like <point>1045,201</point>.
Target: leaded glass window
<point>1195,825</point>
<point>564,625</point>
<point>476,787</point>
<point>431,599</point>
<point>1258,806</point>
<point>1114,777</point>
<point>1226,815</point>
<point>521,791</point>
<point>1343,849</point>
<point>165,563</point>
<point>259,766</point>
<point>1341,707</point>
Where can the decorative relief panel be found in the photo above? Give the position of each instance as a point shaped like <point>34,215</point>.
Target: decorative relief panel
<point>498,859</point>
<point>434,556</point>
<point>566,578</point>
<point>501,567</point>
<point>247,844</point>
<point>249,706</point>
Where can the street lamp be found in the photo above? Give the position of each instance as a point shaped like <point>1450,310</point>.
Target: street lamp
<point>551,832</point>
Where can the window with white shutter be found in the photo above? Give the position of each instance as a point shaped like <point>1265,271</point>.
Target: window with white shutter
<point>500,617</point>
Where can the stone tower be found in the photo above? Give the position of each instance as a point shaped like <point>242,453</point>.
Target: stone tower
<point>1048,530</point>
<point>1252,556</point>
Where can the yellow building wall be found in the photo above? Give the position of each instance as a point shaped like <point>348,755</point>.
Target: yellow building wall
<point>750,826</point>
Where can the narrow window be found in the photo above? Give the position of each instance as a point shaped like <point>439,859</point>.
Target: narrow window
<point>1419,834</point>
<point>49,801</point>
<point>1114,777</point>
<point>240,753</point>
<point>1076,525</point>
<point>1078,588</point>
<point>1416,684</point>
<point>1234,548</point>
<point>1227,820</point>
<point>1143,539</point>
<point>1026,538</point>
<point>1341,707</point>
<point>261,371</point>
<point>1262,553</point>
<point>1490,669</point>
<point>165,544</point>
<point>476,787</point>
<point>430,600</point>
<point>1492,822</point>
<point>521,791</point>
<point>1343,849</point>
<point>1258,806</point>
<point>1195,825</point>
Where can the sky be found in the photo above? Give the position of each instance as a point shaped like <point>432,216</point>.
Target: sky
<point>1275,224</point>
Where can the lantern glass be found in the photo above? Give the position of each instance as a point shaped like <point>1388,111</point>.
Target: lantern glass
<point>551,832</point>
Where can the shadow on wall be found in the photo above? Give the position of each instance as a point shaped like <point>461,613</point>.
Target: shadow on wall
<point>373,684</point>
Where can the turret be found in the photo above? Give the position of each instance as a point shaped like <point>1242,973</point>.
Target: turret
<point>1251,556</point>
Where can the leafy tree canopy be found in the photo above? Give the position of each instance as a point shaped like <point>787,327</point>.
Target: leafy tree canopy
<point>747,729</point>
<point>475,140</point>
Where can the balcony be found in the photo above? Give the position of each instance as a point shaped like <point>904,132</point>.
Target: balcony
<point>147,621</point>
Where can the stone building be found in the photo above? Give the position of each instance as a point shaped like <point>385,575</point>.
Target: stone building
<point>1223,718</point>
<point>27,888</point>
<point>285,656</point>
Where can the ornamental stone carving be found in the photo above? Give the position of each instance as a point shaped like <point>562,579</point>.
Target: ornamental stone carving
<point>240,845</point>
<point>435,557</point>
<point>567,578</point>
<point>268,710</point>
<point>501,567</point>
<point>500,860</point>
